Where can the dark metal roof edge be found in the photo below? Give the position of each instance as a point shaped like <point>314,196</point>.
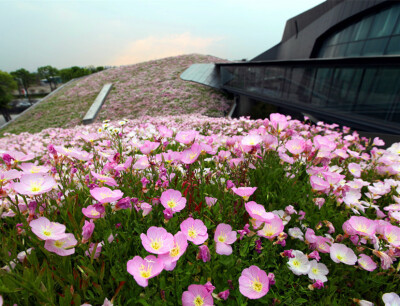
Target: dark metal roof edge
<point>370,60</point>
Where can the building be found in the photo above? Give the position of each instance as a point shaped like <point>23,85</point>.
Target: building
<point>337,62</point>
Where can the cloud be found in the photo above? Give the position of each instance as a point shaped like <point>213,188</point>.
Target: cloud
<point>153,47</point>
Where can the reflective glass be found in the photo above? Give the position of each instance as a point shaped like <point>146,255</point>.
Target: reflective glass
<point>375,46</point>
<point>363,28</point>
<point>383,23</point>
<point>394,45</point>
<point>355,48</point>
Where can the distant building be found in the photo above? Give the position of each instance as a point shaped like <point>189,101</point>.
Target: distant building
<point>339,62</point>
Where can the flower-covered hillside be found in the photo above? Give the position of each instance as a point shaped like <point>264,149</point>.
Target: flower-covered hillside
<point>152,88</point>
<point>194,210</point>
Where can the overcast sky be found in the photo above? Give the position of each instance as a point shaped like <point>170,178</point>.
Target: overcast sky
<point>65,33</point>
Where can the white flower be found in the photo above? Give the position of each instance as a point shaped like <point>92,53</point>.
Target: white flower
<point>295,232</point>
<point>391,299</point>
<point>318,271</point>
<point>299,264</point>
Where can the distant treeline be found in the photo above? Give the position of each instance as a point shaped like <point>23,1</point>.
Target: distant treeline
<point>67,74</point>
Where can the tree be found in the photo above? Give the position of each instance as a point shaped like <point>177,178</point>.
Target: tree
<point>48,72</point>
<point>7,85</point>
<point>25,78</point>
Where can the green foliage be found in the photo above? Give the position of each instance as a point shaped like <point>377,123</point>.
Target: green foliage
<point>7,85</point>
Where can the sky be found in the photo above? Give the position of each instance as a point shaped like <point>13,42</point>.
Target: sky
<point>65,33</point>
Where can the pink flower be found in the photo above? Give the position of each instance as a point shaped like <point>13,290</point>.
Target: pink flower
<point>157,240</point>
<point>165,132</point>
<point>355,169</point>
<point>204,253</point>
<point>87,230</point>
<point>96,248</point>
<point>272,228</point>
<point>9,175</point>
<point>197,295</point>
<point>224,236</point>
<point>386,260</point>
<point>32,168</point>
<point>180,246</point>
<point>92,212</point>
<point>258,212</point>
<point>361,226</point>
<point>34,184</point>
<point>244,192</point>
<point>195,230</point>
<point>106,195</point>
<point>341,253</point>
<point>224,295</point>
<point>148,147</point>
<point>144,269</point>
<point>186,137</point>
<point>296,146</point>
<point>319,184</point>
<point>189,156</point>
<point>45,229</point>
<point>173,199</point>
<point>141,163</point>
<point>62,246</point>
<point>251,140</point>
<point>210,201</point>
<point>146,208</point>
<point>253,283</point>
<point>392,235</point>
<point>104,179</point>
<point>367,263</point>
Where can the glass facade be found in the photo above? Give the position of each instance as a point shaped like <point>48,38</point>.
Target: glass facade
<point>364,92</point>
<point>375,34</point>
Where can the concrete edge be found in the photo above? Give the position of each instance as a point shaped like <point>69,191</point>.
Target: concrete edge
<point>97,104</point>
<point>37,103</point>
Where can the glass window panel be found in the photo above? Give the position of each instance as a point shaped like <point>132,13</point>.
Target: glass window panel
<point>354,48</point>
<point>346,34</point>
<point>339,50</point>
<point>273,81</point>
<point>375,46</point>
<point>365,89</point>
<point>383,23</point>
<point>301,84</point>
<point>397,29</point>
<point>395,16</point>
<point>394,45</point>
<point>344,88</point>
<point>379,102</point>
<point>328,52</point>
<point>320,93</point>
<point>363,28</point>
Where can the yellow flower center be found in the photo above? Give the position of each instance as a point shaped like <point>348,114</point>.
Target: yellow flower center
<point>296,263</point>
<point>59,244</point>
<point>156,244</point>
<point>198,301</point>
<point>257,286</point>
<point>340,257</point>
<point>46,233</point>
<point>390,238</point>
<point>145,273</point>
<point>315,270</point>
<point>174,252</point>
<point>171,203</point>
<point>35,187</point>
<point>192,156</point>
<point>35,169</point>
<point>222,238</point>
<point>192,232</point>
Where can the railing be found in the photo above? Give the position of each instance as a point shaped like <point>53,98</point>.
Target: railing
<point>361,92</point>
